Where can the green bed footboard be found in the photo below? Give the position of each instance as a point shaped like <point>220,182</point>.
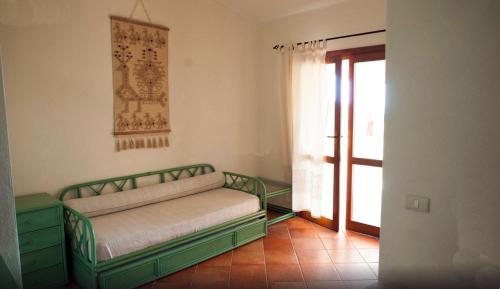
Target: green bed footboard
<point>81,236</point>
<point>151,263</point>
<point>247,184</point>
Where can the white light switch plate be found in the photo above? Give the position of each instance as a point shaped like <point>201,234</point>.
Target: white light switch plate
<point>418,203</point>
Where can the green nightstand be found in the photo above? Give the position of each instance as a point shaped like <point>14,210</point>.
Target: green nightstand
<point>41,241</point>
<point>274,189</point>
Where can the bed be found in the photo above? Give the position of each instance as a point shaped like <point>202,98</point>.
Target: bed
<point>127,231</point>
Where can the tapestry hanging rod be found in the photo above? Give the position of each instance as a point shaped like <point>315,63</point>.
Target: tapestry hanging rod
<point>278,46</point>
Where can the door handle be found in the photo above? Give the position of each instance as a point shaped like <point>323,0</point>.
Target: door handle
<point>334,136</point>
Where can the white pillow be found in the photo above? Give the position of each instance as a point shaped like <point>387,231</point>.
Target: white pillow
<point>120,201</point>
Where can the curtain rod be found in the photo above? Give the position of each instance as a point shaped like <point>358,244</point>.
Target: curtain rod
<point>277,46</point>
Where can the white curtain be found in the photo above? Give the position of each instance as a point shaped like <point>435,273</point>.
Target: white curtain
<point>305,104</point>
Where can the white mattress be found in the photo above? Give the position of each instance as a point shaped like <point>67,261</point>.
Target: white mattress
<point>127,231</point>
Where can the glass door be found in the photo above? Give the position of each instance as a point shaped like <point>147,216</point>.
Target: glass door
<point>355,110</point>
<point>366,140</point>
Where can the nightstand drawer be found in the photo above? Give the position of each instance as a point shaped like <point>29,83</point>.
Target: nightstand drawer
<point>39,239</point>
<point>36,220</point>
<point>45,278</point>
<point>41,259</point>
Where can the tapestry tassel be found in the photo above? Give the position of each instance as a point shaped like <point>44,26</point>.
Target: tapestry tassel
<point>138,142</point>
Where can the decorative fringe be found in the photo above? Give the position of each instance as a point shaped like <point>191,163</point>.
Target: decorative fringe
<point>140,142</point>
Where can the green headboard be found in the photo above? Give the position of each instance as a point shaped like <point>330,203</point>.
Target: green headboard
<point>129,182</point>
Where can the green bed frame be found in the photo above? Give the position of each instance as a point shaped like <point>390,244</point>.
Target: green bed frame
<point>146,265</point>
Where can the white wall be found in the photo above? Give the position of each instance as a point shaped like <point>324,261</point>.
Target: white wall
<point>57,58</point>
<point>442,140</point>
<point>347,17</point>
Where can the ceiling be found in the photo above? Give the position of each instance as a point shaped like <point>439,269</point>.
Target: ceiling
<point>265,10</point>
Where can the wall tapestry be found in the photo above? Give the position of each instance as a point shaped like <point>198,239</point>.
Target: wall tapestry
<point>140,84</point>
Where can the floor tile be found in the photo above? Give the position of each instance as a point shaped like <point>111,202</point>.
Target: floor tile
<point>337,243</point>
<point>172,285</point>
<point>219,261</point>
<point>277,244</point>
<point>346,256</point>
<point>279,224</point>
<point>287,285</point>
<point>298,223</point>
<point>248,276</point>
<point>370,255</point>
<point>256,245</point>
<point>248,272</point>
<point>284,273</point>
<point>326,285</point>
<point>281,258</point>
<point>247,285</point>
<point>326,233</point>
<point>355,271</point>
<point>374,267</point>
<point>308,244</point>
<point>319,272</point>
<point>313,257</point>
<point>211,277</point>
<point>214,285</point>
<point>248,258</point>
<point>367,284</point>
<point>364,242</point>
<point>278,232</point>
<point>303,233</point>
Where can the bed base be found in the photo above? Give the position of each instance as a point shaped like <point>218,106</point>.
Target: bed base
<point>143,266</point>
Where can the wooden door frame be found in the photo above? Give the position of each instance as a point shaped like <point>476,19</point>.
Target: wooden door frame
<point>360,54</point>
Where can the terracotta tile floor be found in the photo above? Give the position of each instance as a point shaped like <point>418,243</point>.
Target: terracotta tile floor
<point>295,254</point>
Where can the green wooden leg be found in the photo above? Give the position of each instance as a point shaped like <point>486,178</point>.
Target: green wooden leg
<point>83,276</point>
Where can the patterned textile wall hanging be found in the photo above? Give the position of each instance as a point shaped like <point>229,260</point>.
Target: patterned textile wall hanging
<point>140,84</point>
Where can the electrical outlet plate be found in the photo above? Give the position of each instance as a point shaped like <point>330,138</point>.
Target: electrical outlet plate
<point>418,203</point>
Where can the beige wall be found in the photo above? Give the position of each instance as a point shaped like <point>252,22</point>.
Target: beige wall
<point>442,140</point>
<point>347,17</point>
<point>59,96</point>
